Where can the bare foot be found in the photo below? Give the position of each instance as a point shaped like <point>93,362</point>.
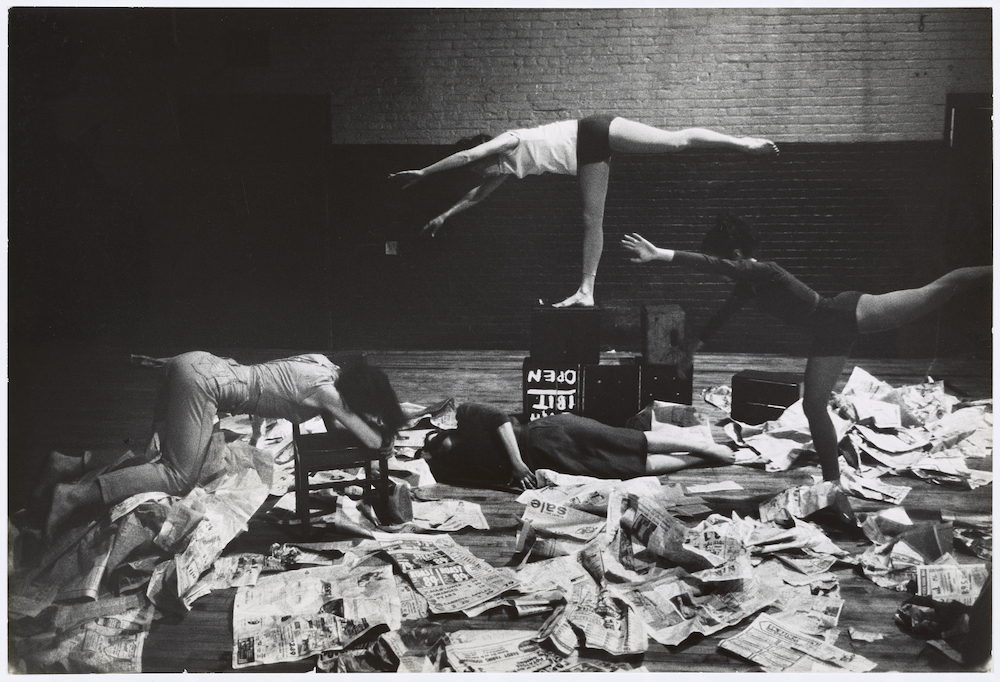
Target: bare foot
<point>58,467</point>
<point>578,300</point>
<point>760,147</point>
<point>69,499</point>
<point>718,454</point>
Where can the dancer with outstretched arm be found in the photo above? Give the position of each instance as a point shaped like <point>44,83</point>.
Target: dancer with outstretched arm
<point>582,148</point>
<point>833,323</point>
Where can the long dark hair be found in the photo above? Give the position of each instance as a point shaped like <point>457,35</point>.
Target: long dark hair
<point>730,233</point>
<point>366,391</point>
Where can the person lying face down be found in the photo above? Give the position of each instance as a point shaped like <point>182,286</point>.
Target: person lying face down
<point>488,447</point>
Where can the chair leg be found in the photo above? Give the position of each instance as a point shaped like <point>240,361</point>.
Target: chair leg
<point>301,489</point>
<point>383,481</point>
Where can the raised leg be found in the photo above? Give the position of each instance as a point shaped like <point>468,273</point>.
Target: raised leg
<point>593,179</point>
<point>631,137</point>
<point>820,378</point>
<point>881,312</point>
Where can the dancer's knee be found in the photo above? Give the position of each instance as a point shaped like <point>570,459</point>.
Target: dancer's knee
<point>815,408</point>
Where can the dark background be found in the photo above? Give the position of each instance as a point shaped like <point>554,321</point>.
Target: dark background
<point>148,210</point>
<point>151,210</point>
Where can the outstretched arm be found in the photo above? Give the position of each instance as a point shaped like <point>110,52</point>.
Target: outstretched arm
<point>468,201</point>
<point>498,144</point>
<point>522,477</point>
<point>644,250</point>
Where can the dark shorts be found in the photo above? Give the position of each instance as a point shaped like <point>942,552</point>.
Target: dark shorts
<point>592,143</point>
<point>834,325</point>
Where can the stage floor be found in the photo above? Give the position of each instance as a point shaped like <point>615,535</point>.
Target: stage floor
<point>95,400</point>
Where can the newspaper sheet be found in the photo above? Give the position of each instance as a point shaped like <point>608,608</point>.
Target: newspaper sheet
<point>584,492</point>
<point>534,545</point>
<point>647,521</point>
<point>873,489</point>
<point>448,515</point>
<point>446,574</point>
<point>777,647</point>
<point>674,605</point>
<point>236,570</point>
<point>106,644</point>
<point>227,511</point>
<point>952,582</point>
<point>557,520</point>
<point>501,651</point>
<point>597,618</point>
<point>290,616</point>
<point>802,501</point>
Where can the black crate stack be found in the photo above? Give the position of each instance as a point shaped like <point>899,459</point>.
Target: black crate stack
<point>564,372</point>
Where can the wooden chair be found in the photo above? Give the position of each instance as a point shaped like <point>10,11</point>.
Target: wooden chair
<point>337,450</point>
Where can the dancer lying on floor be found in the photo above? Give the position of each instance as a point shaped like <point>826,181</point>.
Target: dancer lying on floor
<point>833,323</point>
<point>198,385</point>
<point>491,448</point>
<point>582,148</point>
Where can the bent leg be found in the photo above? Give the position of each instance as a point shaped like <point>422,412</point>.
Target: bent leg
<point>881,312</point>
<point>593,178</point>
<point>631,137</point>
<point>820,378</point>
<point>187,407</point>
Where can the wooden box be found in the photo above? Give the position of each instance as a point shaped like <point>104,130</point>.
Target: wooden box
<point>760,396</point>
<point>611,392</point>
<point>663,334</point>
<point>550,388</point>
<point>566,335</point>
<point>664,382</point>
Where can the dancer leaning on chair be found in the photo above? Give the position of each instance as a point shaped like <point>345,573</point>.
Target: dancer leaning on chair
<point>196,387</point>
<point>582,148</point>
<point>833,323</point>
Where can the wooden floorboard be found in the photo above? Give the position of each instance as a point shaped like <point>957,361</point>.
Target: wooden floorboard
<point>93,399</point>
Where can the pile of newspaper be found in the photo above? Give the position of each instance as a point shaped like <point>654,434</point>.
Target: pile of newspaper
<point>918,429</point>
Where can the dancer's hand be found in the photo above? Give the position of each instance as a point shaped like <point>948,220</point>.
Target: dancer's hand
<point>433,226</point>
<point>523,479</point>
<point>642,248</point>
<point>408,177</point>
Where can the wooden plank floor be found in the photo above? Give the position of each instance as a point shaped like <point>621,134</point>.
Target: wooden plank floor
<point>92,399</point>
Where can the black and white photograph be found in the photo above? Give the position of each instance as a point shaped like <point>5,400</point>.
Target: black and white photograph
<point>500,339</point>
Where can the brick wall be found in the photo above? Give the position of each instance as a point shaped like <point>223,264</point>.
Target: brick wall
<point>867,217</point>
<point>217,177</point>
<point>799,75</point>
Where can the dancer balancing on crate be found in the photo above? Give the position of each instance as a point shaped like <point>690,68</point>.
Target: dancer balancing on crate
<point>582,148</point>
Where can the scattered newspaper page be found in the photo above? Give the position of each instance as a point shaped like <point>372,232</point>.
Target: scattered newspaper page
<point>501,651</point>
<point>294,615</point>
<point>777,647</point>
<point>948,581</point>
<point>448,515</point>
<point>446,574</point>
